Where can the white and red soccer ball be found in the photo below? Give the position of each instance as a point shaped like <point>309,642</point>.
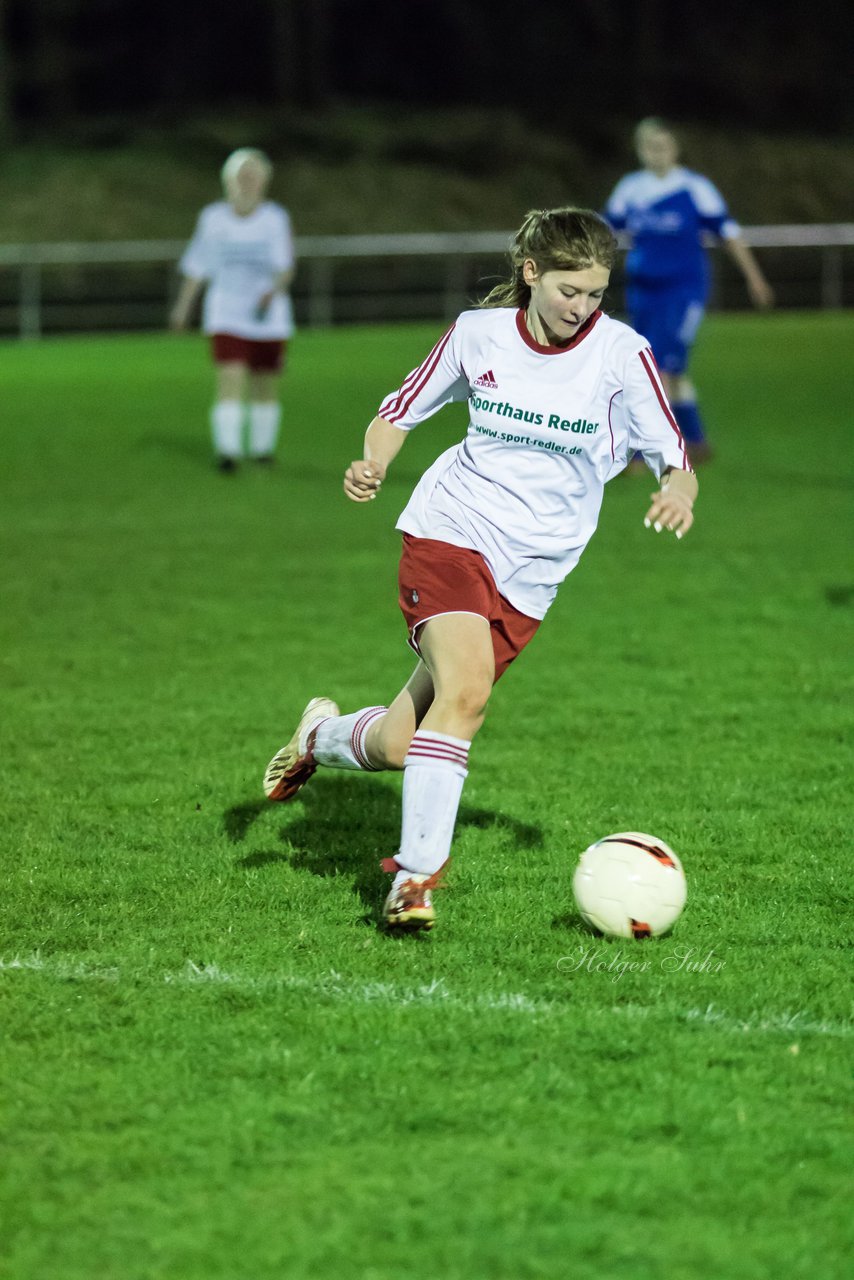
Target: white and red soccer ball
<point>630,885</point>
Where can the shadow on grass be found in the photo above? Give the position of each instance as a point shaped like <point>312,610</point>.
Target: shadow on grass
<point>571,922</point>
<point>196,450</point>
<point>346,825</point>
<point>839,595</point>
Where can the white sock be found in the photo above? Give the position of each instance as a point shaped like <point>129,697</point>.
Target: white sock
<point>435,768</point>
<point>264,417</point>
<point>226,419</point>
<point>340,741</point>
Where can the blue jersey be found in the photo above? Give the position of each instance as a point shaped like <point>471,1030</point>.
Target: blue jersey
<point>666,218</point>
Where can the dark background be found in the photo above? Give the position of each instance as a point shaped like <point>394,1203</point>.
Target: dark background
<point>775,67</point>
<point>414,116</point>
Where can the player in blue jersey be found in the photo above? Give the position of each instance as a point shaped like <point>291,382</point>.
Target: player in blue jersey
<point>666,209</point>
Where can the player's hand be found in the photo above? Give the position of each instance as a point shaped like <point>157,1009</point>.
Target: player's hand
<point>363,480</point>
<point>262,306</point>
<point>670,510</point>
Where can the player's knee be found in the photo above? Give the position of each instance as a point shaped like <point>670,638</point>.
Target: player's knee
<point>468,700</point>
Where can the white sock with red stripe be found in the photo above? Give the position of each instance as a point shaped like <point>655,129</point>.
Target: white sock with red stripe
<point>340,740</point>
<point>226,423</point>
<point>264,421</point>
<point>435,768</point>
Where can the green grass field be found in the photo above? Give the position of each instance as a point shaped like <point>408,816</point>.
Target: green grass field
<point>215,1066</point>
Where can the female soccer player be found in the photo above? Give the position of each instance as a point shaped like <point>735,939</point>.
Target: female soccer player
<point>242,254</point>
<point>559,396</point>
<point>666,209</point>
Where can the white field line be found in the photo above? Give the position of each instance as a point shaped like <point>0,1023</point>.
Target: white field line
<point>335,986</point>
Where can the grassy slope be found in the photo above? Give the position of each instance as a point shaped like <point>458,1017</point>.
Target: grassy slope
<point>368,170</point>
<point>215,1066</point>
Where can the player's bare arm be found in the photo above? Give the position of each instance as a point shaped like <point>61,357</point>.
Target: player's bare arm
<point>760,292</point>
<point>363,478</point>
<point>188,294</point>
<point>673,506</point>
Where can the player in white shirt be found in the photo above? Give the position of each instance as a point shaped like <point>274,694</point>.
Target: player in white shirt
<point>559,396</point>
<point>242,256</point>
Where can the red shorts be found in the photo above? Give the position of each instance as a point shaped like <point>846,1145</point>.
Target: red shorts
<point>436,577</point>
<point>267,356</point>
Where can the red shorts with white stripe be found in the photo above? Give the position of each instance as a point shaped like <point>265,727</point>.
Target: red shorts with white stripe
<point>259,355</point>
<point>436,577</point>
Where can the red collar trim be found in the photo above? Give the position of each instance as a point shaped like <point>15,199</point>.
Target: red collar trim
<point>530,341</point>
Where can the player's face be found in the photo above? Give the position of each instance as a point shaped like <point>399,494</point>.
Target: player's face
<point>657,150</point>
<point>561,301</point>
<point>247,187</point>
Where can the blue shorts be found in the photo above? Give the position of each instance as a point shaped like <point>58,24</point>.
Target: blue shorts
<point>669,319</point>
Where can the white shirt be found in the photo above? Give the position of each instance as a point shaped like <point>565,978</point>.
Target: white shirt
<point>239,258</point>
<point>548,427</point>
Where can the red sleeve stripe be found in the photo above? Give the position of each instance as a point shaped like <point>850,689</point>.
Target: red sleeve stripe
<point>648,361</point>
<point>395,406</point>
<point>618,392</point>
<point>394,399</point>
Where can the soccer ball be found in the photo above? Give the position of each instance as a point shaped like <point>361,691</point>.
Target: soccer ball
<point>630,885</point>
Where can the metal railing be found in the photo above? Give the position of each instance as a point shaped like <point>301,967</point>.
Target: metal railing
<point>320,258</point>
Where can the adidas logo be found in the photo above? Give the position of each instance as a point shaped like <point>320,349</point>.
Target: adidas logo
<point>487,380</point>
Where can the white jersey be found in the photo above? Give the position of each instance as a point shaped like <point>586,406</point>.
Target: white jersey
<point>548,427</point>
<point>239,258</point>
